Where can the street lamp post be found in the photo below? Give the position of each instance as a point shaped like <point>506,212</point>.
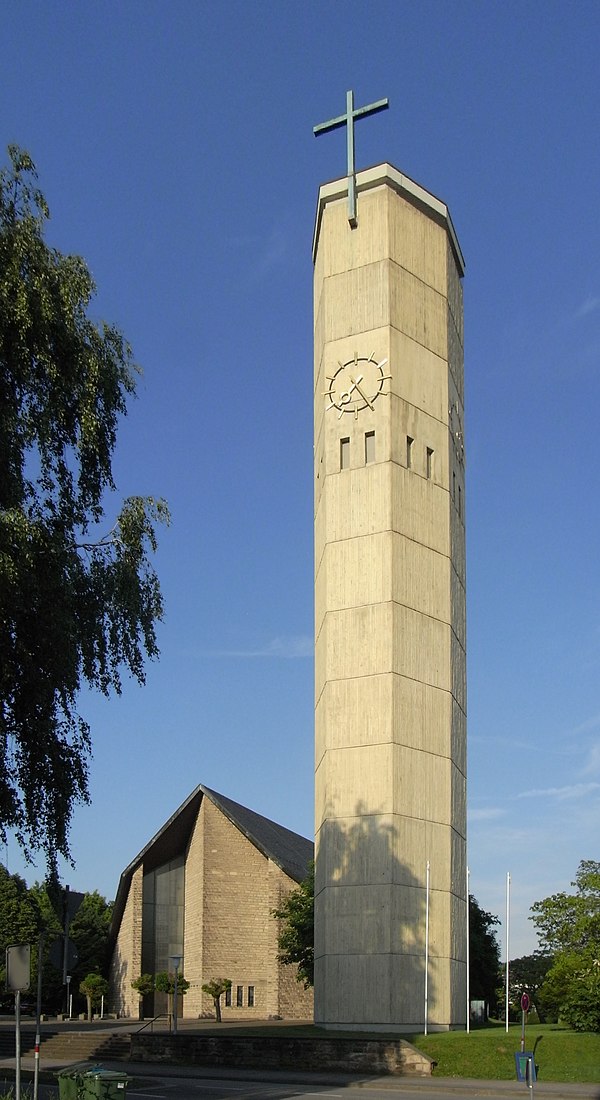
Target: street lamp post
<point>176,960</point>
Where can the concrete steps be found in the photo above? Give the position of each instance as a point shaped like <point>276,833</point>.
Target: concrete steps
<point>68,1046</point>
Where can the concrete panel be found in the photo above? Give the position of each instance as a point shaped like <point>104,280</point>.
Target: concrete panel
<point>356,302</point>
<point>422,785</point>
<point>359,641</point>
<point>421,578</point>
<point>357,919</point>
<point>358,712</point>
<point>359,571</point>
<point>415,309</point>
<point>421,647</point>
<point>353,989</point>
<point>421,716</point>
<point>419,377</point>
<point>418,840</point>
<point>354,783</point>
<point>419,509</point>
<point>417,243</point>
<point>358,851</point>
<point>358,503</point>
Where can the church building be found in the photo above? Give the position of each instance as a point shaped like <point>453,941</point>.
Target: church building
<point>204,889</point>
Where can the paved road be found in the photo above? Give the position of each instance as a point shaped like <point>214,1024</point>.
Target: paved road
<point>162,1082</point>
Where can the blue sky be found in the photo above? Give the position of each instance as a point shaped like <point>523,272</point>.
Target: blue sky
<point>174,145</point>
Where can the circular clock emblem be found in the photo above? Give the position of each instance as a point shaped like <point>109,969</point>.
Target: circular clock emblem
<point>356,384</point>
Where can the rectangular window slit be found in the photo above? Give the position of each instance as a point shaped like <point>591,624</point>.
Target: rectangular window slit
<point>429,462</point>
<point>369,447</point>
<point>239,998</point>
<point>250,996</point>
<point>409,443</point>
<point>344,454</point>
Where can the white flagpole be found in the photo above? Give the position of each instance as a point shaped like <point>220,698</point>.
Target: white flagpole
<point>468,960</point>
<point>507,940</point>
<point>426,944</point>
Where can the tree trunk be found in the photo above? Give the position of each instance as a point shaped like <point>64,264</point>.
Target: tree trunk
<point>217,1001</point>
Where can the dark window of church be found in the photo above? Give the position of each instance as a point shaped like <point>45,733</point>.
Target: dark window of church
<point>344,454</point>
<point>250,996</point>
<point>239,998</point>
<point>228,997</point>
<point>459,501</point>
<point>429,462</point>
<point>369,447</point>
<point>409,443</point>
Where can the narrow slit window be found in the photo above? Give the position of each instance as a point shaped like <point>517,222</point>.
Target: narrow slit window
<point>409,444</point>
<point>429,462</point>
<point>344,454</point>
<point>228,997</point>
<point>250,996</point>
<point>459,501</point>
<point>239,999</point>
<point>369,447</point>
<point>453,486</point>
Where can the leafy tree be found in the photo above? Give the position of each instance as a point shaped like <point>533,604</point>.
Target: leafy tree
<point>484,954</point>
<point>568,922</point>
<point>297,933</point>
<point>89,931</point>
<point>94,987</point>
<point>78,604</point>
<point>216,989</point>
<point>164,982</point>
<point>143,985</point>
<point>20,920</point>
<point>527,975</point>
<point>569,926</point>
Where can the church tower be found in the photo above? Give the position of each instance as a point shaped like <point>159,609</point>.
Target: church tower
<point>390,665</point>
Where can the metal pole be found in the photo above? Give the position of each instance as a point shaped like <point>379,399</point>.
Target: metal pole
<point>507,941</point>
<point>18,1044</point>
<point>426,946</point>
<point>468,958</point>
<point>38,1010</point>
<point>175,1000</point>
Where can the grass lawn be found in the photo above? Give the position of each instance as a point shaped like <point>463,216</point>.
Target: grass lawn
<point>560,1054</point>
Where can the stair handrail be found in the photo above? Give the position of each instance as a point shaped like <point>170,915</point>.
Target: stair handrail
<point>150,1023</point>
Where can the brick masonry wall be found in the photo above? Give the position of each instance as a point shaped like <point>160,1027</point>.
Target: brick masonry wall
<point>126,962</point>
<point>230,891</point>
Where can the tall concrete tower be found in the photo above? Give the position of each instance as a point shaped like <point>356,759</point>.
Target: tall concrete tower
<point>390,893</point>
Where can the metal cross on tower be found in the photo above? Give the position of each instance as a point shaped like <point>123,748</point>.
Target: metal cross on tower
<point>348,121</point>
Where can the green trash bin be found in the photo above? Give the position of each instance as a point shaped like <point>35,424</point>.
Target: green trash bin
<point>69,1080</point>
<point>101,1084</point>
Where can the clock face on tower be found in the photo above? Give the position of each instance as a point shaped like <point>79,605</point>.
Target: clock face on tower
<point>356,384</point>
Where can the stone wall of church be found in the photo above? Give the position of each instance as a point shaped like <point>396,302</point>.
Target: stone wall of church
<point>126,962</point>
<point>240,889</point>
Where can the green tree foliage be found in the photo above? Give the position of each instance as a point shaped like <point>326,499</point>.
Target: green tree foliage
<point>164,982</point>
<point>297,932</point>
<point>89,932</point>
<point>78,603</point>
<point>569,926</point>
<point>484,955</point>
<point>527,975</point>
<point>216,989</point>
<point>20,919</point>
<point>94,987</point>
<point>566,922</point>
<point>143,985</point>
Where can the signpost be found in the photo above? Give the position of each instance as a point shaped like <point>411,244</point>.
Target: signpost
<point>524,1059</point>
<point>18,977</point>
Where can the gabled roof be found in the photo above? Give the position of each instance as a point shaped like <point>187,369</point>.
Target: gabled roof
<point>288,850</point>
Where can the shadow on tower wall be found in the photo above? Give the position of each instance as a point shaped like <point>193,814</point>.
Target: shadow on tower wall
<point>370,927</point>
